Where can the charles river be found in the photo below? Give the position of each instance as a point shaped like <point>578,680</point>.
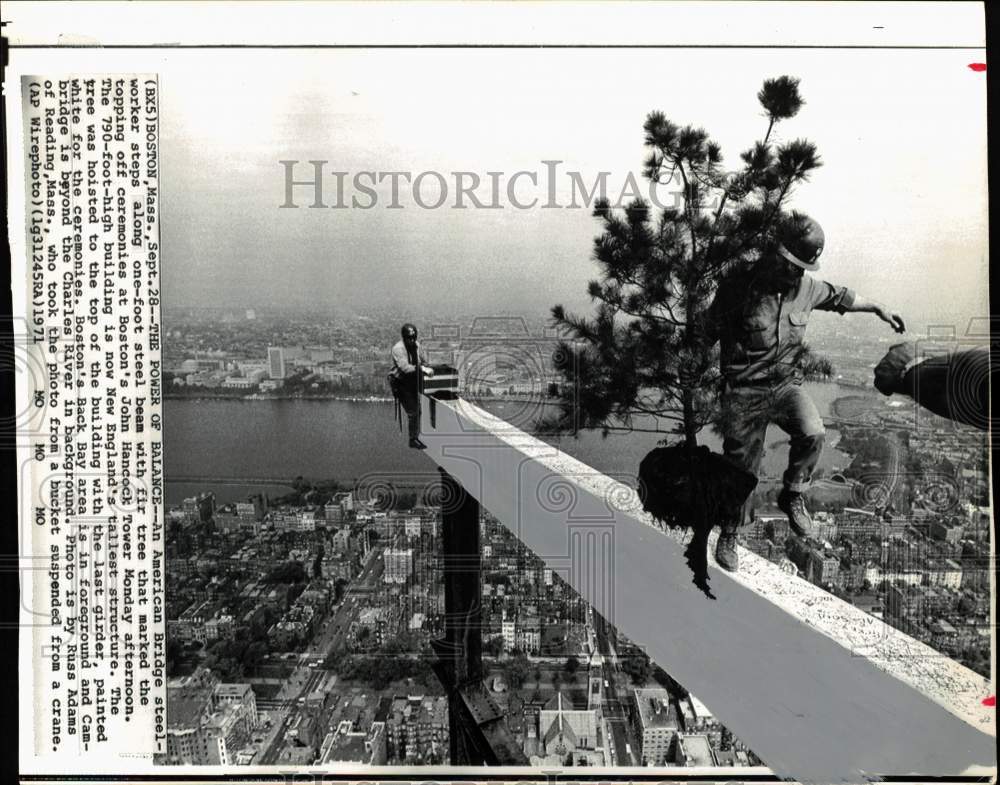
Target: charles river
<point>327,439</point>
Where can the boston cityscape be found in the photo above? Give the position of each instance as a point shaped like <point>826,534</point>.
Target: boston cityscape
<point>304,548</point>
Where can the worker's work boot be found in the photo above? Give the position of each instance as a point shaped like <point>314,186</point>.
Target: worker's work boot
<point>416,444</point>
<point>794,506</point>
<point>725,549</point>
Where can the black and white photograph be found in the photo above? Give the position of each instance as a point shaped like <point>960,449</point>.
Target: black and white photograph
<point>611,403</point>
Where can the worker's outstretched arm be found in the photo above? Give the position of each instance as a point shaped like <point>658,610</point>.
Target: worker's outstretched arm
<point>863,304</point>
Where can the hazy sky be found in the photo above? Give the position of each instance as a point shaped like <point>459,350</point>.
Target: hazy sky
<point>901,195</point>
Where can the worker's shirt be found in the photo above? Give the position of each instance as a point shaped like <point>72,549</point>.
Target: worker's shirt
<point>403,363</point>
<point>760,335</point>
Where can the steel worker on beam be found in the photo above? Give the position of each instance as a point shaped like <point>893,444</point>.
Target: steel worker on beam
<point>409,367</point>
<point>759,317</point>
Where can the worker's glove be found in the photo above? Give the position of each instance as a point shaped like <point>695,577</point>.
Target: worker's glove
<point>428,371</point>
<point>889,372</point>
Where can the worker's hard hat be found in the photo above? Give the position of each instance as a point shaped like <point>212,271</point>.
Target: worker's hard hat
<point>800,241</point>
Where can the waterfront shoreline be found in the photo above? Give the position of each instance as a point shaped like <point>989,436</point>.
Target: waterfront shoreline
<point>349,398</point>
<point>328,437</point>
<point>258,397</point>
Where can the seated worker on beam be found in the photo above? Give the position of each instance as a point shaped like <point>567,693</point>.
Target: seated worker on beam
<point>409,368</point>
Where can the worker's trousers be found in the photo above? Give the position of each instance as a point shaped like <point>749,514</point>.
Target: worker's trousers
<point>749,409</point>
<point>409,399</point>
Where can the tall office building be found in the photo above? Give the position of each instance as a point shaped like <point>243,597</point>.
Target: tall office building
<point>411,526</point>
<point>398,565</point>
<point>276,362</point>
<point>657,723</point>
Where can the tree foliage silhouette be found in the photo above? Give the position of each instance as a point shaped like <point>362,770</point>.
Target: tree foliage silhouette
<point>649,353</point>
<point>649,349</point>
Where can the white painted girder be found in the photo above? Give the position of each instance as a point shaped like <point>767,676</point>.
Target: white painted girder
<point>820,690</point>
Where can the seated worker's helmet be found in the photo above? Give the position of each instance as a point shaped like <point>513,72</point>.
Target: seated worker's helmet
<point>408,330</point>
<point>800,241</point>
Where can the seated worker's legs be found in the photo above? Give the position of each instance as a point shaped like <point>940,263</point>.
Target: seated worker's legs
<point>410,401</point>
<point>798,416</point>
<point>746,412</point>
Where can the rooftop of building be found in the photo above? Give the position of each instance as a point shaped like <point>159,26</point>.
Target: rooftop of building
<point>560,717</point>
<point>296,756</point>
<point>186,712</point>
<point>238,689</point>
<point>433,711</point>
<point>223,718</point>
<point>700,709</point>
<point>347,748</point>
<point>655,709</point>
<point>696,751</point>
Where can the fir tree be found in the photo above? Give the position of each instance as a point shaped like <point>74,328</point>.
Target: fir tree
<point>649,352</point>
<point>648,349</point>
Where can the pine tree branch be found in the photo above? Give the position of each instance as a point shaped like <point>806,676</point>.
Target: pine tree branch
<point>725,196</point>
<point>687,204</point>
<point>770,125</point>
<point>633,281</point>
<point>783,192</point>
<point>653,316</point>
<point>672,318</point>
<point>648,352</point>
